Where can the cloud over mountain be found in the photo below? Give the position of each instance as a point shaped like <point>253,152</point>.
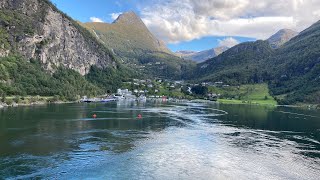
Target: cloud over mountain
<point>95,19</point>
<point>114,16</point>
<point>228,42</point>
<point>184,20</point>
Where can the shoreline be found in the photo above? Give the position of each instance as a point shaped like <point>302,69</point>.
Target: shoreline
<point>37,103</point>
<point>222,101</point>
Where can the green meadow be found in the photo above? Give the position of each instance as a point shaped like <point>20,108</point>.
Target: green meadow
<point>245,94</point>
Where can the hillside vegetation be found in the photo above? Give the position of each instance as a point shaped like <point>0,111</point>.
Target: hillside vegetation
<point>295,68</point>
<point>292,71</point>
<point>45,52</point>
<point>238,65</point>
<point>20,77</point>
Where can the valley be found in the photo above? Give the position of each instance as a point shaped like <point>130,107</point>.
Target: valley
<point>174,89</point>
<point>41,57</point>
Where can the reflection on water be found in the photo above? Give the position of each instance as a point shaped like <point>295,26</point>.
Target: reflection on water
<point>170,141</point>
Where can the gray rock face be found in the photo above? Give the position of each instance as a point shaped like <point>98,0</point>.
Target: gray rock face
<point>281,37</point>
<point>57,40</point>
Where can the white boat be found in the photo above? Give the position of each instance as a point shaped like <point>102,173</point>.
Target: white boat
<point>108,100</point>
<point>118,97</point>
<point>89,100</point>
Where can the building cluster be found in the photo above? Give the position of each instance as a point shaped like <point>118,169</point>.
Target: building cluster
<point>158,87</point>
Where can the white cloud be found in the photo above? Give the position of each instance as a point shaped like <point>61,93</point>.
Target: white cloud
<point>174,21</point>
<point>228,42</point>
<point>95,19</point>
<point>114,16</point>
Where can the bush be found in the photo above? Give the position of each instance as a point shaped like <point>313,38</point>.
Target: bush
<point>9,101</point>
<point>17,99</point>
<point>55,98</point>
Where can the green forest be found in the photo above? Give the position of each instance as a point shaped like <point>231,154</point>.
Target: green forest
<point>20,77</point>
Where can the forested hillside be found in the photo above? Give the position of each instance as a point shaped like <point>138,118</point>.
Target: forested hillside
<point>292,70</point>
<point>45,52</point>
<point>238,65</point>
<point>296,68</point>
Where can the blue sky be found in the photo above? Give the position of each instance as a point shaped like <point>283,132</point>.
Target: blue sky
<point>82,10</point>
<point>204,43</point>
<point>200,25</point>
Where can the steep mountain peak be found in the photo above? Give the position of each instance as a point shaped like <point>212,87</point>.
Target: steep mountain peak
<point>129,17</point>
<point>281,37</point>
<point>127,36</point>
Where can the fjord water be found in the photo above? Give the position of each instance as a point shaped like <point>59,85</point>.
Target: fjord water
<point>170,141</point>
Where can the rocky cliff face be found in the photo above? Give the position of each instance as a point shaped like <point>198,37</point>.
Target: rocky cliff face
<point>37,30</point>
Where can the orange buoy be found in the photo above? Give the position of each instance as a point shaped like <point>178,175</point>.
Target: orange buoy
<point>139,116</point>
<point>94,116</point>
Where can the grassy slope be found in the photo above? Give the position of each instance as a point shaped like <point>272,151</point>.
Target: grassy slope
<point>122,38</point>
<point>245,94</point>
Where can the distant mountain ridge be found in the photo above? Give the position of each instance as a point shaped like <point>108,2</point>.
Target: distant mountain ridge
<point>201,55</point>
<point>281,37</point>
<point>288,61</point>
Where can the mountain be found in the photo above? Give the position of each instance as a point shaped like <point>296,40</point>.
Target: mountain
<point>292,71</point>
<point>295,68</point>
<point>130,39</point>
<point>202,55</point>
<point>45,52</point>
<point>237,65</point>
<point>281,37</point>
<point>37,29</point>
<point>184,53</point>
<point>127,32</point>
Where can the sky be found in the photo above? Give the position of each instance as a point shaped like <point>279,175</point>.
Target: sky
<point>202,24</point>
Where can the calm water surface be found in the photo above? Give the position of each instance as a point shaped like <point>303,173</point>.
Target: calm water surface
<point>170,141</point>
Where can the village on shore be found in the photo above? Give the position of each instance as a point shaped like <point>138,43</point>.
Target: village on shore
<point>141,90</point>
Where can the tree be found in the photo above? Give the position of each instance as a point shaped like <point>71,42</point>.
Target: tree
<point>200,90</point>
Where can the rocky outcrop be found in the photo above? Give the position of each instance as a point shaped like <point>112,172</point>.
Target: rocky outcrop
<point>54,38</point>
